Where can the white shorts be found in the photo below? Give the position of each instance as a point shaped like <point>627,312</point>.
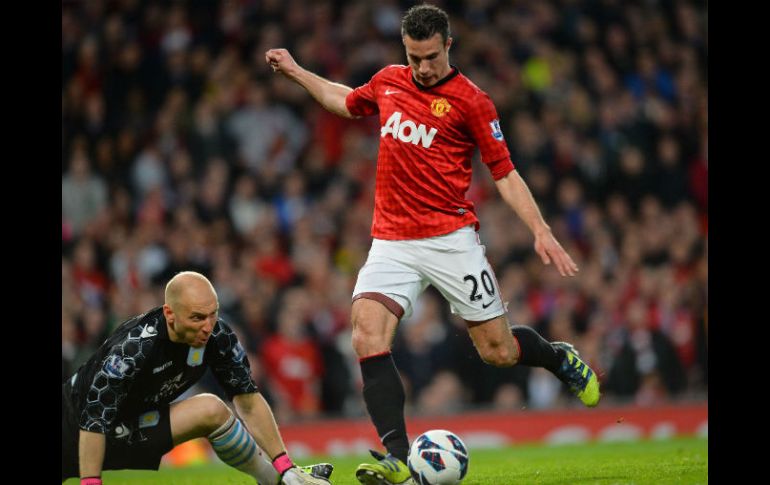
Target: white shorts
<point>454,264</point>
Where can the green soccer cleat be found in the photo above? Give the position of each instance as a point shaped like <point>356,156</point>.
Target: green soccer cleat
<point>319,470</point>
<point>578,376</point>
<point>388,470</point>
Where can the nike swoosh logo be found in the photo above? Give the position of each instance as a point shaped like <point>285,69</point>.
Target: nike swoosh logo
<point>389,92</point>
<point>148,331</point>
<point>382,438</point>
<point>487,305</point>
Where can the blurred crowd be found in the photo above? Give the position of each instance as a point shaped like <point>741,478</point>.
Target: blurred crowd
<point>181,150</point>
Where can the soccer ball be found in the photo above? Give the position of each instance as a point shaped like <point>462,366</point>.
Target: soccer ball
<point>438,457</point>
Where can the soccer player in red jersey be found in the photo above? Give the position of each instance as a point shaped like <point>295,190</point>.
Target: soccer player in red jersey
<point>432,119</point>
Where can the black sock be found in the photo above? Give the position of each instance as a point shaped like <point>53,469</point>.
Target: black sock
<point>535,351</point>
<point>384,396</point>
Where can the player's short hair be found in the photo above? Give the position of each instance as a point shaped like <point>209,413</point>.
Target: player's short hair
<point>422,22</point>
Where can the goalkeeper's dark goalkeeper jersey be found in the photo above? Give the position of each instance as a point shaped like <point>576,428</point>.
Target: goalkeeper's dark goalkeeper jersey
<point>138,369</point>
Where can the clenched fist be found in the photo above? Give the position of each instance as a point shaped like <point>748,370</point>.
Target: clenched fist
<point>281,61</point>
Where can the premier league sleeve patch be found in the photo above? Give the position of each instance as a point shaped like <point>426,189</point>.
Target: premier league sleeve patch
<point>116,367</point>
<point>497,133</point>
<point>238,352</point>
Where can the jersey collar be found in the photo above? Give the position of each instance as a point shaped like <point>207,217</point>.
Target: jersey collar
<point>452,73</point>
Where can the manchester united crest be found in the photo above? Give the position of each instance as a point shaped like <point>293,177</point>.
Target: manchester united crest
<point>439,107</point>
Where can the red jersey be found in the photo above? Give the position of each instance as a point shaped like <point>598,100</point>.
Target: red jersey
<point>427,139</point>
<point>296,368</point>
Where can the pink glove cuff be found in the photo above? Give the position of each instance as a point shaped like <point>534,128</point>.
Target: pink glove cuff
<point>281,463</point>
<point>91,481</point>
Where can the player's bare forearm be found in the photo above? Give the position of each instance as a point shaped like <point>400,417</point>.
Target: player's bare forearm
<point>329,94</point>
<point>260,422</point>
<point>516,194</point>
<point>91,453</point>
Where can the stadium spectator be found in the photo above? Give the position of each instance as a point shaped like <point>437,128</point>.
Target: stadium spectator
<point>647,361</point>
<point>419,352</point>
<point>83,195</point>
<point>293,364</point>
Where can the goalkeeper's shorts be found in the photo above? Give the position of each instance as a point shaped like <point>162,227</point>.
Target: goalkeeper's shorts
<point>135,444</point>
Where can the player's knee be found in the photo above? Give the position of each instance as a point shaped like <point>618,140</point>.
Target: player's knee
<point>499,355</point>
<point>213,412</point>
<point>370,330</point>
<point>368,337</point>
<point>368,342</point>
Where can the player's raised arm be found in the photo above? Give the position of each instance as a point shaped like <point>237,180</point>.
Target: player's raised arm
<point>517,195</point>
<point>331,95</point>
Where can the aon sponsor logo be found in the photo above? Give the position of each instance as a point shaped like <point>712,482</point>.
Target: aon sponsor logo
<point>408,131</point>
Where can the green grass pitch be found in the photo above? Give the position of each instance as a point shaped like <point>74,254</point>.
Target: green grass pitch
<point>675,461</point>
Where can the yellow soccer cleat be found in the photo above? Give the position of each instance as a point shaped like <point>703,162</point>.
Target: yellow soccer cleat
<point>580,378</point>
<point>388,470</point>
